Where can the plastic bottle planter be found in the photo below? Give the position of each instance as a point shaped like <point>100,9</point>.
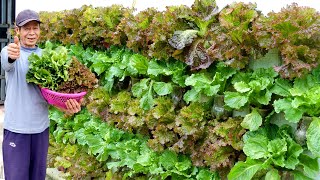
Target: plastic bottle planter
<point>218,110</point>
<point>242,112</point>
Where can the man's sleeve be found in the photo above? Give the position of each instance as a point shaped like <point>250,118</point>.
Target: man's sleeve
<point>6,65</point>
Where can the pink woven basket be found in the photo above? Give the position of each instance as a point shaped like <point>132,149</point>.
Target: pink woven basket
<point>59,99</point>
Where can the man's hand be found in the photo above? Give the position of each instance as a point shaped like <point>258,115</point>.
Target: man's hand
<point>14,49</point>
<point>73,106</point>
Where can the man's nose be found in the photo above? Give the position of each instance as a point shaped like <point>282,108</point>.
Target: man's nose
<point>31,31</point>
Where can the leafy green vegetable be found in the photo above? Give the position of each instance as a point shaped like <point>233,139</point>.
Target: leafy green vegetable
<point>181,39</point>
<point>51,68</point>
<point>256,147</point>
<point>232,41</point>
<point>293,31</point>
<point>251,88</point>
<point>310,165</point>
<point>313,137</point>
<point>118,149</point>
<point>273,174</point>
<point>207,84</point>
<point>252,121</point>
<point>271,149</point>
<point>155,89</point>
<point>300,99</point>
<point>55,69</point>
<point>245,170</point>
<point>80,79</point>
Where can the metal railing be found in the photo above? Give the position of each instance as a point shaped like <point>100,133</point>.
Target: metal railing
<point>7,17</point>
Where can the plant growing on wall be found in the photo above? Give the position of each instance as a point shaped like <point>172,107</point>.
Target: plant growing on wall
<point>294,31</point>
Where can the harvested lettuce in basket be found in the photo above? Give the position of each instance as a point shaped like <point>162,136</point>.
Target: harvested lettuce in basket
<point>58,71</point>
<point>50,69</point>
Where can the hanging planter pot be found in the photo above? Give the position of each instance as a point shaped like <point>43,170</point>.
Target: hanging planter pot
<point>270,60</point>
<point>263,112</point>
<point>280,120</point>
<point>301,131</point>
<point>218,110</point>
<point>242,112</point>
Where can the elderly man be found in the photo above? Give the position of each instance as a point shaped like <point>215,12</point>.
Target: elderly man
<point>26,122</point>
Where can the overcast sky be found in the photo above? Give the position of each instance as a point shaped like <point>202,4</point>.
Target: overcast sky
<point>57,5</point>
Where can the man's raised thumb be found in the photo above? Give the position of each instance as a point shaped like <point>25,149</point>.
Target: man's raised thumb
<point>16,40</point>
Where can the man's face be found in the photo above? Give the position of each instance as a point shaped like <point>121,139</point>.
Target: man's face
<point>29,34</point>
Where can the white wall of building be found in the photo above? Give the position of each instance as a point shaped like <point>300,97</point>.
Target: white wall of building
<point>265,6</point>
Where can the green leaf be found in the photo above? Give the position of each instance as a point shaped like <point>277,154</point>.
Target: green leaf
<point>139,88</point>
<point>298,102</point>
<point>310,165</point>
<point>155,169</point>
<point>199,78</point>
<point>256,147</point>
<point>183,164</point>
<point>108,84</point>
<point>114,165</point>
<point>114,71</point>
<point>224,71</point>
<point>300,176</point>
<point>179,78</point>
<point>293,152</point>
<point>61,161</point>
<point>162,88</point>
<point>259,84</point>
<point>235,99</point>
<point>211,90</point>
<point>273,174</point>
<point>51,68</point>
<point>281,87</point>
<point>263,97</point>
<point>99,67</point>
<point>140,63</point>
<point>146,157</point>
<point>103,156</point>
<point>291,114</point>
<point>96,144</point>
<point>156,68</point>
<point>302,85</point>
<point>191,96</point>
<point>81,137</point>
<point>277,148</point>
<point>147,101</point>
<point>55,115</point>
<point>242,87</point>
<point>205,174</point>
<point>313,137</point>
<point>244,170</point>
<point>168,159</point>
<point>252,121</point>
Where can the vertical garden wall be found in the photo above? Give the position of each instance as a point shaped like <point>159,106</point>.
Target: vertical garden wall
<point>191,92</point>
